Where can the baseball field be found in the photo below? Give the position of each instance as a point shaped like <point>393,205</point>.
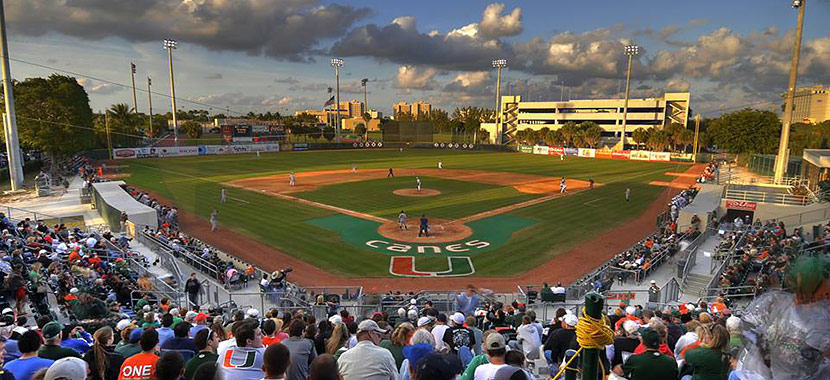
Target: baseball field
<point>491,216</point>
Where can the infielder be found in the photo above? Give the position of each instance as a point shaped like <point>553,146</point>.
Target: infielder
<point>563,186</point>
<point>424,230</point>
<point>402,221</point>
<point>214,220</point>
<point>291,179</point>
<point>391,173</point>
<point>418,183</point>
<point>224,196</point>
<point>354,168</point>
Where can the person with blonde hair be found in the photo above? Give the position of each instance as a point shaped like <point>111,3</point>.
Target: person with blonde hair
<point>658,326</point>
<point>336,344</point>
<point>103,362</point>
<point>400,338</point>
<point>707,361</point>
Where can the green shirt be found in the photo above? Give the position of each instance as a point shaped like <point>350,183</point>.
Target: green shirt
<point>470,372</point>
<point>650,365</point>
<point>128,349</point>
<point>196,361</point>
<point>397,351</point>
<point>705,363</point>
<point>51,352</point>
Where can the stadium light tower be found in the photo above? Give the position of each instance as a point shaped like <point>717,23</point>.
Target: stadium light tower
<point>783,145</point>
<point>499,64</point>
<point>630,51</point>
<point>337,63</point>
<point>170,45</point>
<point>15,158</point>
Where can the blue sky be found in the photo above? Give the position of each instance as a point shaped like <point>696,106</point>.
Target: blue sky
<point>273,55</point>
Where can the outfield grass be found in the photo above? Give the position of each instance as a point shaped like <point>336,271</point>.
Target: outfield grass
<point>193,184</point>
<point>457,198</point>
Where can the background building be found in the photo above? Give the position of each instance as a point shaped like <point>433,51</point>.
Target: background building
<point>411,108</point>
<point>348,109</point>
<point>517,115</point>
<point>811,105</point>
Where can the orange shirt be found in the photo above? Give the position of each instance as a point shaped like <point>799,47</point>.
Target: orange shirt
<point>627,318</point>
<point>267,340</point>
<point>141,366</point>
<point>74,256</point>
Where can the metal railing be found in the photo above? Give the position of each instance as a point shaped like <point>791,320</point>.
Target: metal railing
<point>762,197</point>
<point>691,255</point>
<point>190,258</point>
<point>14,213</point>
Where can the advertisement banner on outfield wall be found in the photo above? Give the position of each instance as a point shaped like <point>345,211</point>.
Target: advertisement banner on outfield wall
<point>603,153</point>
<point>525,149</point>
<point>681,156</point>
<point>571,152</point>
<point>556,151</point>
<point>126,153</point>
<point>620,154</point>
<point>587,152</point>
<point>540,149</point>
<point>640,155</point>
<point>660,156</point>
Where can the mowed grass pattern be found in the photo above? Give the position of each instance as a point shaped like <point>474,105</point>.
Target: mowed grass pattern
<point>193,184</point>
<point>457,198</point>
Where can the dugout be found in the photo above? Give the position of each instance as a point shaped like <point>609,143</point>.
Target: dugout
<point>406,131</point>
<point>816,169</point>
<point>110,200</point>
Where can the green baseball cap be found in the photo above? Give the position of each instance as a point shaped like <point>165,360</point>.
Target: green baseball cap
<point>651,338</point>
<point>52,330</point>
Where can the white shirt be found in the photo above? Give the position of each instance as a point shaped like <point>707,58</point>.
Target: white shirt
<point>367,362</point>
<point>438,332</point>
<point>241,363</point>
<point>685,340</point>
<point>558,290</point>
<point>487,371</point>
<point>225,344</point>
<point>530,339</point>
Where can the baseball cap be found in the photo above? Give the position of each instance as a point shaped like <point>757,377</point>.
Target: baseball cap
<point>122,324</point>
<point>335,319</point>
<point>570,319</point>
<point>650,336</point>
<point>414,353</point>
<point>438,366</point>
<point>653,282</point>
<point>201,317</point>
<point>630,326</point>
<point>458,318</point>
<point>631,310</point>
<point>190,315</point>
<point>135,335</point>
<point>52,330</point>
<point>495,342</point>
<point>370,325</point>
<point>67,368</point>
<point>252,313</point>
<point>8,310</point>
<point>424,321</point>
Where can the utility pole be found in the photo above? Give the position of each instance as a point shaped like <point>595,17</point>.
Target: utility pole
<point>499,64</point>
<point>150,102</point>
<point>363,82</point>
<point>630,51</point>
<point>132,77</point>
<point>562,91</point>
<point>781,159</point>
<point>15,158</point>
<point>337,63</point>
<point>109,137</point>
<point>697,133</point>
<point>170,45</point>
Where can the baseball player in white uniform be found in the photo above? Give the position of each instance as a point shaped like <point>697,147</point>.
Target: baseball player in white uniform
<point>402,220</point>
<point>418,183</point>
<point>440,164</point>
<point>214,220</point>
<point>291,179</point>
<point>563,186</point>
<point>354,168</point>
<point>224,196</point>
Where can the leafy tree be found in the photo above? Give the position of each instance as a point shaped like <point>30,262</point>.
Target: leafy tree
<point>360,129</point>
<point>53,115</point>
<point>366,119</point>
<point>591,133</point>
<point>472,117</point>
<point>192,128</point>
<point>554,137</point>
<point>483,136</point>
<point>640,136</point>
<point>686,138</point>
<point>746,131</point>
<point>570,131</point>
<point>328,133</point>
<point>659,140</point>
<point>124,125</point>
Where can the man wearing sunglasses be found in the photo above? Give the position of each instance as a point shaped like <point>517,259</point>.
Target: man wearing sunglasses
<point>206,342</point>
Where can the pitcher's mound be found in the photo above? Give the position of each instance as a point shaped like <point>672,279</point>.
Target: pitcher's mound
<point>416,193</point>
<point>440,231</point>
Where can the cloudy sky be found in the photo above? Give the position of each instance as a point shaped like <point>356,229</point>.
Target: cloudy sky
<point>273,55</point>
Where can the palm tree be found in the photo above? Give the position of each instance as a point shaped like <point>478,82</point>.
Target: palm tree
<point>569,131</point>
<point>366,118</point>
<point>640,135</point>
<point>122,121</point>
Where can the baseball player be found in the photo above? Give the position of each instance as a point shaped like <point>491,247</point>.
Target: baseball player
<point>627,194</point>
<point>440,164</point>
<point>214,220</point>
<point>291,179</point>
<point>224,196</point>
<point>562,157</point>
<point>391,173</point>
<point>402,220</point>
<point>590,183</point>
<point>418,183</point>
<point>354,168</point>
<point>424,230</point>
<point>257,153</point>
<point>563,186</point>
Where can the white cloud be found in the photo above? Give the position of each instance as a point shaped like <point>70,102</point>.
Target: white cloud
<point>97,87</point>
<point>411,77</point>
<point>494,25</point>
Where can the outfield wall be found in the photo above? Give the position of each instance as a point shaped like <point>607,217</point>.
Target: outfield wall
<point>197,150</point>
<point>636,155</point>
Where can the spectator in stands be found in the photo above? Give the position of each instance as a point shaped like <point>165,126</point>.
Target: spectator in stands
<point>129,344</point>
<point>467,302</point>
<point>438,332</point>
<point>561,340</point>
<point>458,336</point>
<point>438,367</point>
<point>337,343</point>
<point>422,342</point>
<point>52,350</point>
<point>200,321</point>
<point>706,361</point>
<point>657,325</point>
<point>24,368</point>
<point>165,331</point>
<point>244,360</point>
<point>366,360</point>
<point>470,370</point>
<point>276,362</point>
<point>206,342</point>
<point>142,366</point>
<point>269,331</point>
<point>650,364</point>
<point>104,363</point>
<point>324,367</point>
<point>630,315</point>
<point>70,368</point>
<point>400,338</point>
<point>302,350</point>
<point>625,343</point>
<point>192,287</point>
<point>529,338</point>
<point>689,338</point>
<point>496,348</point>
<point>477,334</point>
<point>170,366</point>
<point>516,368</point>
<point>181,342</point>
